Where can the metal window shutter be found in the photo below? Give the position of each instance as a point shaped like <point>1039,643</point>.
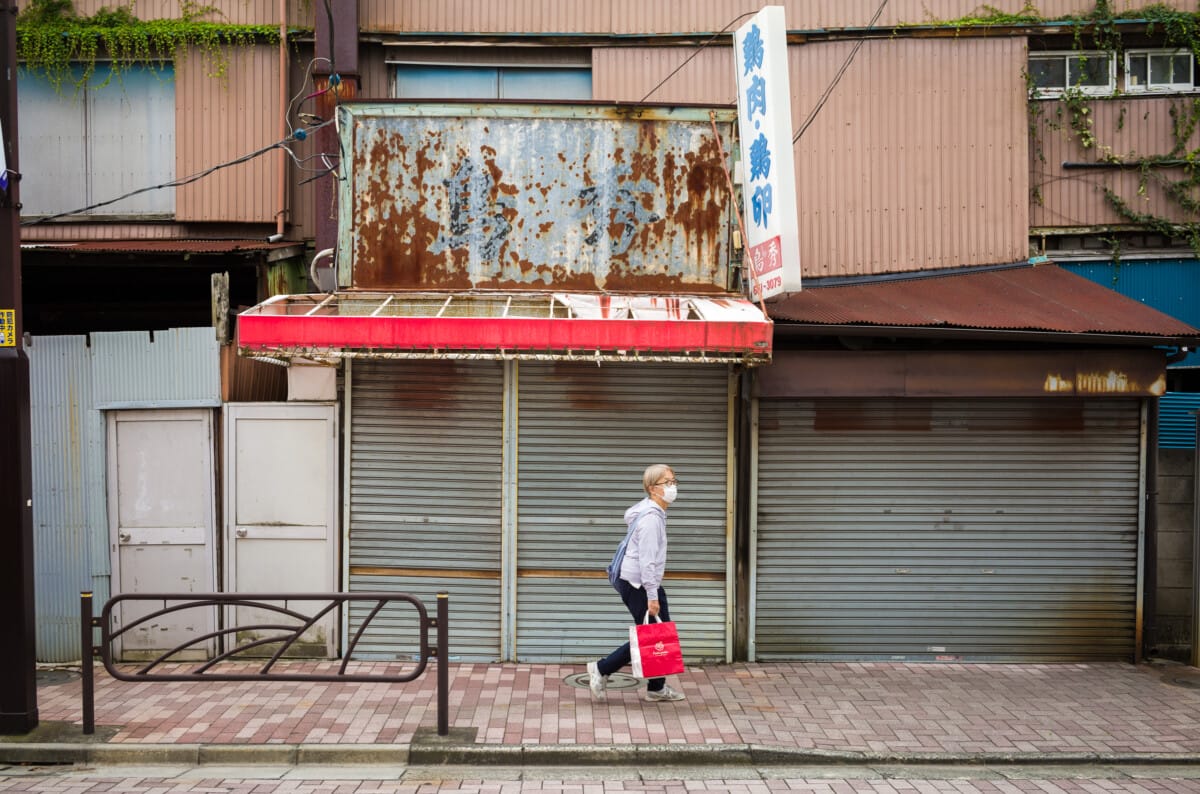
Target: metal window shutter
<point>918,529</point>
<point>425,494</point>
<point>1177,420</point>
<point>586,435</point>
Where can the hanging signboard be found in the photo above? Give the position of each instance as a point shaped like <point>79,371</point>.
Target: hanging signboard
<point>765,124</point>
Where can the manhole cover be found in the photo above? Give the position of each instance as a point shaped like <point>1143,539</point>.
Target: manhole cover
<point>616,681</point>
<point>56,676</point>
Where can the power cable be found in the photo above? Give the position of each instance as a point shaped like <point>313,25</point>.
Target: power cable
<point>299,135</point>
<point>838,77</point>
<point>699,49</point>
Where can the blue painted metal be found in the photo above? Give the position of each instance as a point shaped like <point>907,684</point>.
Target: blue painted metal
<point>1170,285</point>
<point>1177,420</point>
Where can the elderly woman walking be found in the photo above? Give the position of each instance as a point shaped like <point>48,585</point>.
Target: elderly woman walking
<point>640,583</point>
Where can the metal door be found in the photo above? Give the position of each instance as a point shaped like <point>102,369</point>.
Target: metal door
<point>586,434</point>
<point>281,487</point>
<point>947,529</point>
<point>161,502</point>
<point>425,497</point>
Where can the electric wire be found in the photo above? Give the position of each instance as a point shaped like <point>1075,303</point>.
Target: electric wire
<point>699,49</point>
<point>187,180</point>
<point>838,77</point>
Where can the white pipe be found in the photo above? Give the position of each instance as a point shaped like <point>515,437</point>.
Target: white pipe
<point>283,128</point>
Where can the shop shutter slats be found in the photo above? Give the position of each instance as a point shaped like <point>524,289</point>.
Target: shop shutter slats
<point>981,530</point>
<point>425,499</point>
<point>586,434</point>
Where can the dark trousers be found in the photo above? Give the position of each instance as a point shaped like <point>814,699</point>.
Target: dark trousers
<point>635,600</point>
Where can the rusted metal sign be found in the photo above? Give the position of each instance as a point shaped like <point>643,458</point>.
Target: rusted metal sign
<point>555,197</point>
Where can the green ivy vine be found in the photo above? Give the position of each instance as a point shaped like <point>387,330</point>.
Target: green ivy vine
<point>52,39</point>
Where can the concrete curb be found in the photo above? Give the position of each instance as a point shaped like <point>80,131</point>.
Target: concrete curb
<point>539,755</point>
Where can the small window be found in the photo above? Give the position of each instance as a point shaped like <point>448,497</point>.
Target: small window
<point>436,81</point>
<point>1158,70</point>
<point>1053,73</point>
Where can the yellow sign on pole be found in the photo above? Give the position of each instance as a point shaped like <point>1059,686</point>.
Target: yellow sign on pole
<point>8,327</point>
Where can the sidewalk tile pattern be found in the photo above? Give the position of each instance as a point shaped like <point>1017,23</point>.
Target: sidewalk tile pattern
<point>868,707</point>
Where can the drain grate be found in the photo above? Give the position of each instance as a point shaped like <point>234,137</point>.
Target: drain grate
<point>1191,683</point>
<point>616,681</point>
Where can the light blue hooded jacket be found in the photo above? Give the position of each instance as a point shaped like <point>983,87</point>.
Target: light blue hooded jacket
<point>646,555</point>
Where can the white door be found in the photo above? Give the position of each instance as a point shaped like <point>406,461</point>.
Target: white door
<point>161,505</point>
<point>281,486</point>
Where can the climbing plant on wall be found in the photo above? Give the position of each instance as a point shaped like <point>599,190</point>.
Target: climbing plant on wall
<point>54,40</point>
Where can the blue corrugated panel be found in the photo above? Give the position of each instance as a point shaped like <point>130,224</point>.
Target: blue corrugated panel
<point>1170,285</point>
<point>1177,420</point>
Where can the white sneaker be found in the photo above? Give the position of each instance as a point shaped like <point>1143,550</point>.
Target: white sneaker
<point>596,682</point>
<point>665,694</point>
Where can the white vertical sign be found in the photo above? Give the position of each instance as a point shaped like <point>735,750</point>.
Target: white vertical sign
<point>765,124</point>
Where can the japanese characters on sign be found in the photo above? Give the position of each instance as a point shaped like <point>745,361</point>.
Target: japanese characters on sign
<point>765,122</point>
<point>8,327</point>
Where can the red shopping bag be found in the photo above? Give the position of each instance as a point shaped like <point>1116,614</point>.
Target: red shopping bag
<point>655,649</point>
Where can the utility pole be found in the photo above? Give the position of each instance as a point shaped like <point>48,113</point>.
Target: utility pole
<point>18,669</point>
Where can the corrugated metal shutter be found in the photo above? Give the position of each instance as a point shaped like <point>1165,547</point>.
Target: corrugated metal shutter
<point>1177,420</point>
<point>586,435</point>
<point>917,529</point>
<point>425,499</point>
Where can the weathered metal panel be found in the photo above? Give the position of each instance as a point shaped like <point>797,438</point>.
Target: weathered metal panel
<point>425,497</point>
<point>1125,129</point>
<point>617,16</point>
<point>176,366</point>
<point>1130,372</point>
<point>1170,285</point>
<point>248,101</point>
<point>62,456</point>
<point>636,17</point>
<point>942,529</point>
<point>884,183</point>
<point>1030,298</point>
<point>1177,420</point>
<point>547,197</point>
<point>582,449</point>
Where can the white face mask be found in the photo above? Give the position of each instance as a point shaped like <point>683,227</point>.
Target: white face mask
<point>669,493</point>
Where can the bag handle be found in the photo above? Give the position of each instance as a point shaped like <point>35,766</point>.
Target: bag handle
<point>647,618</point>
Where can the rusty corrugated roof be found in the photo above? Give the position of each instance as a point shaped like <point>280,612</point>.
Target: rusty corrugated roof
<point>165,246</point>
<point>1030,298</point>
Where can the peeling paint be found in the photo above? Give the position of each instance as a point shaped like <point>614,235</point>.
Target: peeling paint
<point>589,199</point>
<point>1056,383</point>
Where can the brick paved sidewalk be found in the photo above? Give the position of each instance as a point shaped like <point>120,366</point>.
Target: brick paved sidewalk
<point>956,709</point>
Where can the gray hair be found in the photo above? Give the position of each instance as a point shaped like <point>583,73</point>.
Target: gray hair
<point>653,474</point>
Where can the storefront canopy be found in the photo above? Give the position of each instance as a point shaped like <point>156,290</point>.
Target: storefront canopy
<point>1041,303</point>
<point>540,326</point>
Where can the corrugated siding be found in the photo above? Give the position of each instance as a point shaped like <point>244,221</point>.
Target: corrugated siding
<point>1123,128</point>
<point>220,120</point>
<point>62,455</point>
<point>987,530</point>
<point>884,182</point>
<point>69,379</point>
<point>177,365</point>
<point>586,435</point>
<point>234,12</point>
<point>1177,420</point>
<point>616,16</point>
<point>425,498</point>
<point>682,16</point>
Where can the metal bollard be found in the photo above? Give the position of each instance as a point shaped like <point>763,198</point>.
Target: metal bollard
<point>443,669</point>
<point>89,696</point>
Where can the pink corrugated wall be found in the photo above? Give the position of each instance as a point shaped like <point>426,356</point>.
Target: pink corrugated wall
<point>217,121</point>
<point>917,160</point>
<point>1124,128</point>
